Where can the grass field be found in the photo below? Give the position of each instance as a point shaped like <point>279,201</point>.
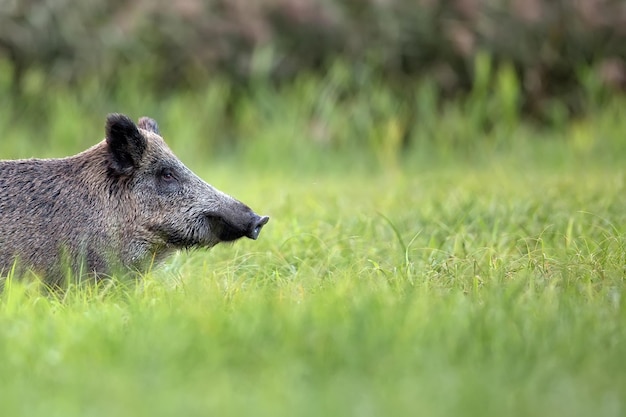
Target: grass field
<point>479,278</point>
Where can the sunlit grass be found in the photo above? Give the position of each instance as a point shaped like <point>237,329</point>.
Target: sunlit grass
<point>468,273</point>
<point>461,291</point>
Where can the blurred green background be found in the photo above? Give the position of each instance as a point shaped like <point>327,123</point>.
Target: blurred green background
<point>447,193</point>
<point>374,79</point>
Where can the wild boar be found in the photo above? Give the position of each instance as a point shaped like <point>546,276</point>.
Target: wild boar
<point>123,204</point>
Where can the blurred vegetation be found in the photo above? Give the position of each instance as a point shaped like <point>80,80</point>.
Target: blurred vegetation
<point>546,56</point>
<point>430,248</point>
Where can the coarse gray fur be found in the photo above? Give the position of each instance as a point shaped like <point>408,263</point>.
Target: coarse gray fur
<point>124,203</point>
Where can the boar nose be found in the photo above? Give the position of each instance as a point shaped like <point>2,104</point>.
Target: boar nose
<point>256,225</point>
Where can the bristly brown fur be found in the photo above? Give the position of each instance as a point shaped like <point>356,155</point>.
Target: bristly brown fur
<point>121,204</point>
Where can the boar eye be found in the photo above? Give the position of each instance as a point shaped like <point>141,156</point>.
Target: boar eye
<point>167,181</point>
<point>167,175</point>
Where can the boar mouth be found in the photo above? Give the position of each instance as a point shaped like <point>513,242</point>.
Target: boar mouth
<point>210,229</point>
<point>228,231</point>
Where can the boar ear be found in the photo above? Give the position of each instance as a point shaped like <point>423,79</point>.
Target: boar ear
<point>149,124</point>
<point>126,144</point>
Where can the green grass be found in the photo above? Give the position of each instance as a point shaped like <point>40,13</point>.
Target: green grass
<point>474,275</point>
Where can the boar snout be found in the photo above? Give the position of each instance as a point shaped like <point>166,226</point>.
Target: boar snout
<point>230,229</point>
<point>256,225</point>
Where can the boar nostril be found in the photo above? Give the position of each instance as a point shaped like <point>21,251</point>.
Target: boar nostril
<point>256,226</point>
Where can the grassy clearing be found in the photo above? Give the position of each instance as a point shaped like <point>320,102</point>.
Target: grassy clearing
<point>474,292</point>
<point>463,277</point>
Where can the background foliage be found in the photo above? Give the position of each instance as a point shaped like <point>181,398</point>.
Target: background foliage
<point>552,49</point>
<point>447,192</point>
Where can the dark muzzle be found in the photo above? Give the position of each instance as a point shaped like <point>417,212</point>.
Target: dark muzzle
<point>229,230</point>
<point>255,226</point>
